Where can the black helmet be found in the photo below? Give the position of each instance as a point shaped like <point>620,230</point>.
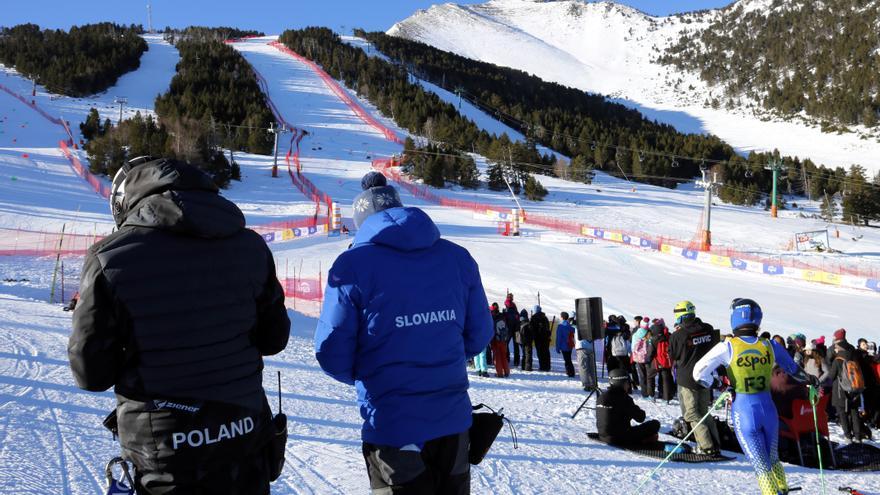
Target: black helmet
<point>618,377</point>
<point>117,189</point>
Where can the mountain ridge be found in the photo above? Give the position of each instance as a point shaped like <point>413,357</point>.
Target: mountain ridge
<point>614,50</point>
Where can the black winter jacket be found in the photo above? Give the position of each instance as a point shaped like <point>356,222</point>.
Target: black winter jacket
<point>527,335</point>
<point>615,410</point>
<point>689,344</point>
<point>176,310</point>
<point>839,397</point>
<point>540,327</point>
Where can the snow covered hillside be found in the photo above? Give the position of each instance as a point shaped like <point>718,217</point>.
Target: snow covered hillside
<point>52,441</point>
<point>610,49</point>
<point>749,229</point>
<point>139,87</point>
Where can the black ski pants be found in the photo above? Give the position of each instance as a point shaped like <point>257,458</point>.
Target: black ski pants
<point>440,468</point>
<point>636,435</point>
<point>667,383</point>
<point>543,350</point>
<point>848,417</point>
<point>645,385</point>
<point>569,366</point>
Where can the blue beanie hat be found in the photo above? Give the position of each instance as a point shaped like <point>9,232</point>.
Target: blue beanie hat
<point>537,309</point>
<point>374,199</point>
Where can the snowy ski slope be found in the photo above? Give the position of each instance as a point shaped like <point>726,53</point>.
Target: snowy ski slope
<point>51,440</point>
<point>611,49</point>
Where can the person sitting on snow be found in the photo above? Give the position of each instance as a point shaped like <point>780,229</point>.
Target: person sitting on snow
<point>615,410</point>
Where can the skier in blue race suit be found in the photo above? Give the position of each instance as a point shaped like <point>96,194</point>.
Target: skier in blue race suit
<point>749,361</point>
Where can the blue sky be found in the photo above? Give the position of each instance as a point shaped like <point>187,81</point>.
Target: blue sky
<point>270,16</point>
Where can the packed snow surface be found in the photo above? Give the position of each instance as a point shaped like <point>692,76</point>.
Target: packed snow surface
<point>611,49</point>
<point>52,441</point>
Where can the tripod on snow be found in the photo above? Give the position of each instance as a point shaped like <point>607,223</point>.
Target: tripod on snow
<point>594,390</point>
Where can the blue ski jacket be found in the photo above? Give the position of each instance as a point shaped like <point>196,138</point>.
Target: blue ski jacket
<point>563,330</point>
<point>403,310</point>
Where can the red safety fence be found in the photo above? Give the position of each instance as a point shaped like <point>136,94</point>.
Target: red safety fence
<point>32,104</point>
<point>390,169</point>
<point>261,81</point>
<point>308,289</point>
<point>23,242</point>
<point>341,94</point>
<point>299,179</point>
<point>98,185</point>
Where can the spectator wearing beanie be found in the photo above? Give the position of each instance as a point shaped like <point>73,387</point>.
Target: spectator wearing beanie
<point>404,310</point>
<point>839,340</point>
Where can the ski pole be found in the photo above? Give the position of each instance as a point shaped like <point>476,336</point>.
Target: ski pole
<point>724,396</point>
<point>814,399</point>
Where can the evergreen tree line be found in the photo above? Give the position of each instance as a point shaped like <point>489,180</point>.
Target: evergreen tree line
<point>203,33</point>
<point>438,163</point>
<point>85,60</point>
<point>569,121</point>
<point>389,88</point>
<point>213,102</point>
<point>585,126</point>
<point>793,56</point>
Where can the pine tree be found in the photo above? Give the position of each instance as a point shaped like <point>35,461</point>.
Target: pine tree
<point>92,125</point>
<point>829,208</point>
<point>496,177</point>
<point>534,190</point>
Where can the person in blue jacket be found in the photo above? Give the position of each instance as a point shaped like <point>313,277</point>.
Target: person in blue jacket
<point>403,311</point>
<point>749,360</point>
<point>564,340</point>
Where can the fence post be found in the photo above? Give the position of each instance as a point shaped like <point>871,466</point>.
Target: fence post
<point>57,261</point>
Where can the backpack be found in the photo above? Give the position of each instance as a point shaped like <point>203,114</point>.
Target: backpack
<point>501,332</point>
<point>619,345</point>
<point>662,358</point>
<point>640,351</point>
<point>850,378</point>
<point>571,339</point>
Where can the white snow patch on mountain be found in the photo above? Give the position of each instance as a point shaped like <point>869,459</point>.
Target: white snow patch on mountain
<point>611,49</point>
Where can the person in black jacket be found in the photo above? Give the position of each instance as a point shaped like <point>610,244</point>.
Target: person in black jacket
<point>846,404</point>
<point>540,327</point>
<point>511,318</point>
<point>176,310</point>
<point>687,345</point>
<point>527,338</point>
<point>838,341</point>
<point>615,410</point>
